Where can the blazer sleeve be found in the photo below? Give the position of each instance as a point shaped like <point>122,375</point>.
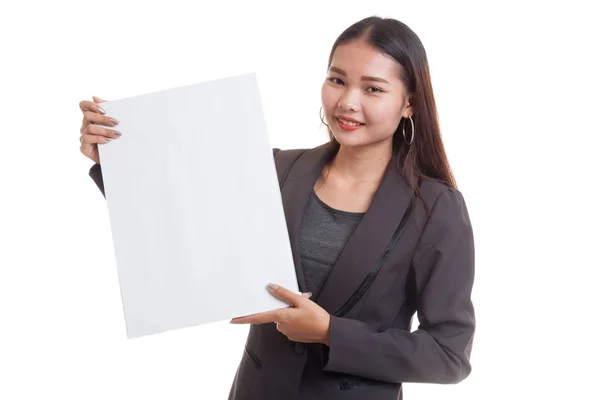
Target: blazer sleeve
<point>96,174</point>
<point>439,351</point>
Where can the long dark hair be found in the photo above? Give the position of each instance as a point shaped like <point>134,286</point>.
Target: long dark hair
<point>425,157</point>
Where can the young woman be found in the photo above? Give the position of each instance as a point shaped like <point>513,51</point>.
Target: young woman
<point>378,229</point>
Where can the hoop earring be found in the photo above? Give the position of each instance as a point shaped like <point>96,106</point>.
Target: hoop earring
<point>320,112</point>
<point>412,137</point>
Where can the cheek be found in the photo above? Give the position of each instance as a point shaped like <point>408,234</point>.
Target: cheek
<point>328,111</point>
<point>328,98</point>
<point>383,113</point>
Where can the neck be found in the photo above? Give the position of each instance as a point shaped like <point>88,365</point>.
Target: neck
<point>362,164</point>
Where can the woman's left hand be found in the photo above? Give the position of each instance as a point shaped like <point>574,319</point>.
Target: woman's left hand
<point>304,322</point>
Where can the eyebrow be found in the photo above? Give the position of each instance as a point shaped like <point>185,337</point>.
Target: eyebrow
<point>363,78</point>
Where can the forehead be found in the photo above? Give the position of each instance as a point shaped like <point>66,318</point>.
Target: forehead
<point>357,58</point>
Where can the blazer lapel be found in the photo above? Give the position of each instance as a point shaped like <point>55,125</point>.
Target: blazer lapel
<point>295,194</point>
<point>371,238</point>
<point>369,243</point>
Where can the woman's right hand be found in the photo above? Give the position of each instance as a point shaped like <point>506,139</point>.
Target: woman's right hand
<point>91,133</point>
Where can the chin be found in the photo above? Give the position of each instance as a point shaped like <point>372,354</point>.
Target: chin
<point>349,141</point>
<point>356,140</point>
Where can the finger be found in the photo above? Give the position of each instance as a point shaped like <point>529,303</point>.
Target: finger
<point>99,130</point>
<point>277,327</point>
<point>94,139</point>
<point>95,118</point>
<point>286,295</point>
<point>87,105</point>
<point>307,295</point>
<point>261,318</point>
<point>98,99</point>
<point>90,108</point>
<point>91,118</point>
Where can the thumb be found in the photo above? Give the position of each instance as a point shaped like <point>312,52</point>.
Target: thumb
<point>98,99</point>
<point>286,295</point>
<point>307,295</point>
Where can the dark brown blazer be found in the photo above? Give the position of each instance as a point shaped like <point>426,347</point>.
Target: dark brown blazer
<point>399,260</point>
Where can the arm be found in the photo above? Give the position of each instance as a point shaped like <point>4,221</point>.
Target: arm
<point>439,351</point>
<point>96,175</point>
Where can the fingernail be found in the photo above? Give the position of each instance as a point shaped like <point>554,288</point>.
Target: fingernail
<point>101,110</point>
<point>309,295</point>
<point>117,133</point>
<point>272,286</point>
<point>114,121</point>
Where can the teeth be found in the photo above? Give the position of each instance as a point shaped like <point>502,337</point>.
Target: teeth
<point>348,122</point>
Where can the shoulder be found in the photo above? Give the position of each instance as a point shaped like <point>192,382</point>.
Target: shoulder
<point>432,189</point>
<point>438,193</point>
<point>279,152</point>
<point>324,149</point>
<point>447,207</point>
<point>284,159</point>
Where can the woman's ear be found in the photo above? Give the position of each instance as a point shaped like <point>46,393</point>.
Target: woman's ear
<point>408,107</point>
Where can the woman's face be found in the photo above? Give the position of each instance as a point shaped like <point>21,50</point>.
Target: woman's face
<point>364,84</point>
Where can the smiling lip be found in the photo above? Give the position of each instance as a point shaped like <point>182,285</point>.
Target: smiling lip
<point>347,127</point>
<point>349,119</point>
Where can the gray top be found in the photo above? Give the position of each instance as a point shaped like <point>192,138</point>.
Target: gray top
<point>323,235</point>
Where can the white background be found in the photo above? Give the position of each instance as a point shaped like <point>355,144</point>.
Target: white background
<point>516,86</point>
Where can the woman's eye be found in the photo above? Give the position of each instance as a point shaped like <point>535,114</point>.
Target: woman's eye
<point>338,81</point>
<point>376,89</point>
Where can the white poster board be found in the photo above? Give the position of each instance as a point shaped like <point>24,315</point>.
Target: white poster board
<point>194,206</point>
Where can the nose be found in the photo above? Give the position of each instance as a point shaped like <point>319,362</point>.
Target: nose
<point>349,101</point>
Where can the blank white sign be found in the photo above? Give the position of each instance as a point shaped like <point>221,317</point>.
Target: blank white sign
<point>194,205</point>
